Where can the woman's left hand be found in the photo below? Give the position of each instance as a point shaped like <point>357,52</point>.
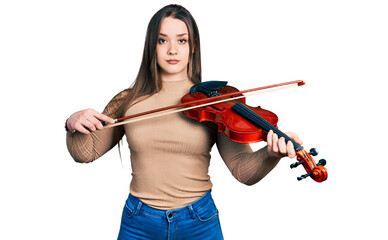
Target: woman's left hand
<point>277,147</point>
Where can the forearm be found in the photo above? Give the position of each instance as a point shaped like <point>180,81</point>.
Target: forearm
<point>246,166</point>
<point>252,167</point>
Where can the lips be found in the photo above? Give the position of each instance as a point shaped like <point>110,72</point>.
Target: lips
<point>173,61</point>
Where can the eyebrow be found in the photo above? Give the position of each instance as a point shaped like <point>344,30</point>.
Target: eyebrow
<point>179,35</point>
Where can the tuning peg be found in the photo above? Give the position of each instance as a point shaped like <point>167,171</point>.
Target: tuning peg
<point>313,152</point>
<point>304,176</point>
<point>321,162</point>
<point>294,165</point>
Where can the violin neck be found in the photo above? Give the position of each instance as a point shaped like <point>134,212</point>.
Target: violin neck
<point>260,122</point>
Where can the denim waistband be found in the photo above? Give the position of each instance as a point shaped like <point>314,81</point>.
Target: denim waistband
<point>170,215</point>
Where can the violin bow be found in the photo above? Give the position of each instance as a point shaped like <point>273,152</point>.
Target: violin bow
<point>199,103</point>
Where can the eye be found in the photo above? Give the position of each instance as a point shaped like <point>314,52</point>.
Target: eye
<point>182,41</point>
<point>161,40</point>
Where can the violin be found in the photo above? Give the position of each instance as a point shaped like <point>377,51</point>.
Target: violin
<point>245,124</point>
<point>224,105</point>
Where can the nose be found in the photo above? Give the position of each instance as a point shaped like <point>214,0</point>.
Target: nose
<point>172,49</point>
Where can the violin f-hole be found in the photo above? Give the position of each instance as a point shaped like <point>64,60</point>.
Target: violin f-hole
<point>218,109</point>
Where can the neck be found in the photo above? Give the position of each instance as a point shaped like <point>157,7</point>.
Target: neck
<point>174,77</point>
<point>174,80</point>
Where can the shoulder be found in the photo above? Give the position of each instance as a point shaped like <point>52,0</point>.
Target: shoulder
<point>120,97</point>
<point>114,105</point>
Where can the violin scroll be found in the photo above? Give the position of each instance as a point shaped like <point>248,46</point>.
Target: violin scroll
<point>316,171</point>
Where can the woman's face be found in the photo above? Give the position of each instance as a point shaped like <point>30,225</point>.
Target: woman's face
<point>173,49</point>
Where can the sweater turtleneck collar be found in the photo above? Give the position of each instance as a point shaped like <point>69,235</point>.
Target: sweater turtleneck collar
<point>176,87</point>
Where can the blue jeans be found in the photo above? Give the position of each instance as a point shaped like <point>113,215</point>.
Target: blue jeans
<point>198,220</point>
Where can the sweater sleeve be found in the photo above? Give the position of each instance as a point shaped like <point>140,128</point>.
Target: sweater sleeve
<point>86,148</point>
<point>246,166</point>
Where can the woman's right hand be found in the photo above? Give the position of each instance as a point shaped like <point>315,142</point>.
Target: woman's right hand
<point>87,121</point>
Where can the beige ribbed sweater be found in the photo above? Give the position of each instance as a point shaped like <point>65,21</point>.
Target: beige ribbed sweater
<point>170,155</point>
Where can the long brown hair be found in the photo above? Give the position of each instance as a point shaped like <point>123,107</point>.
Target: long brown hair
<point>148,80</point>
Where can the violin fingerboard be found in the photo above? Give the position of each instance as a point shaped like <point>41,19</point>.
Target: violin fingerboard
<point>260,122</point>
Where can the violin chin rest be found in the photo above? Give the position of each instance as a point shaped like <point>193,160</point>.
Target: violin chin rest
<point>208,85</point>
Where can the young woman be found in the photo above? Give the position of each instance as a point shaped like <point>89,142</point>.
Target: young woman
<point>170,189</point>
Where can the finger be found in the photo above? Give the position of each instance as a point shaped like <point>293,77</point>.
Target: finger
<point>298,140</point>
<point>295,137</point>
<point>97,123</point>
<point>103,117</point>
<point>269,139</point>
<point>96,118</point>
<point>290,150</point>
<point>282,146</point>
<point>88,125</point>
<point>80,128</point>
<point>275,139</point>
<point>91,125</point>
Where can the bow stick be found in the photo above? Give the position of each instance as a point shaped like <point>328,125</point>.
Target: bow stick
<point>195,104</point>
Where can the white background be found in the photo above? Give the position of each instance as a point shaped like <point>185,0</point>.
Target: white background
<point>58,57</point>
